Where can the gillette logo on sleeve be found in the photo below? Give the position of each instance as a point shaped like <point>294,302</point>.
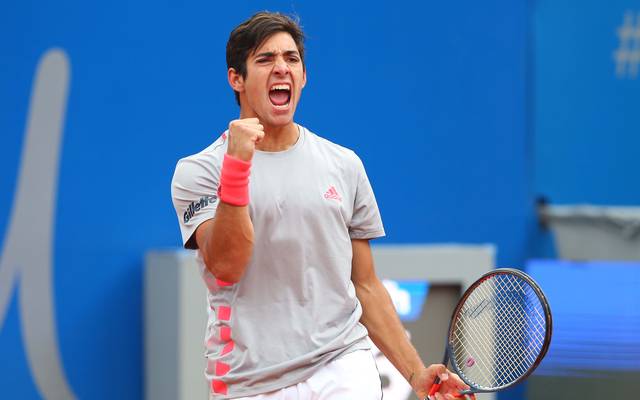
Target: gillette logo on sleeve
<point>196,206</point>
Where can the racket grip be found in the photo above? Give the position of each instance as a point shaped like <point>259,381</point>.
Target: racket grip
<point>434,388</point>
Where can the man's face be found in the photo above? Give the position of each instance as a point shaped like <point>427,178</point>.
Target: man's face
<point>275,78</point>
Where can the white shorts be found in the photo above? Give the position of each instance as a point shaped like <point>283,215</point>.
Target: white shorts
<point>352,376</point>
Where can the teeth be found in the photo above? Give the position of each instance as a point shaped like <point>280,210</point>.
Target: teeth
<point>281,87</point>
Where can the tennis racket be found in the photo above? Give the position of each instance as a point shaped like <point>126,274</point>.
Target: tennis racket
<point>499,332</point>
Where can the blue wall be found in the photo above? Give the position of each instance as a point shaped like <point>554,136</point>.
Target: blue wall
<point>587,104</point>
<point>432,96</point>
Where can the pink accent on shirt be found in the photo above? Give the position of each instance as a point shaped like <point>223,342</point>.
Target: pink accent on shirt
<point>222,368</point>
<point>224,313</point>
<point>228,348</point>
<point>225,334</point>
<point>222,283</point>
<point>217,386</point>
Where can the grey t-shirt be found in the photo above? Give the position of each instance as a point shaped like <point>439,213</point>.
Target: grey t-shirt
<point>295,308</point>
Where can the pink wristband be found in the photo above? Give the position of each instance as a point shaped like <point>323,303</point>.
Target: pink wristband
<point>234,181</point>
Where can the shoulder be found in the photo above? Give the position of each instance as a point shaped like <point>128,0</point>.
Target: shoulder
<point>333,150</point>
<point>204,163</point>
<point>214,151</point>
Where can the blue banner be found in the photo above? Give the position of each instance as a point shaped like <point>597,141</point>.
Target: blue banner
<point>99,101</point>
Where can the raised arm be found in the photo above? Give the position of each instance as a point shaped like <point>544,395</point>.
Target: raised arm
<point>386,330</point>
<point>226,241</point>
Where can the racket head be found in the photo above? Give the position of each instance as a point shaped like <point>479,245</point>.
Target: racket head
<point>500,331</point>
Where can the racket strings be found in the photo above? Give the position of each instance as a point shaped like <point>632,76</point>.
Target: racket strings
<point>505,352</point>
<point>499,332</point>
<point>488,366</point>
<point>509,353</point>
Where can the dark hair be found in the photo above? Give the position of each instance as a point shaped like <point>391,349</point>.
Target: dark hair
<point>249,35</point>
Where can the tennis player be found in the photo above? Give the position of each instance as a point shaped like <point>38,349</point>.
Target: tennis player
<point>282,219</point>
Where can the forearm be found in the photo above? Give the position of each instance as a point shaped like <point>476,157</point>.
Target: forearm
<point>386,330</point>
<point>228,246</point>
<point>228,243</point>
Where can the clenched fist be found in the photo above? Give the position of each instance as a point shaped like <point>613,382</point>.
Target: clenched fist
<point>243,136</point>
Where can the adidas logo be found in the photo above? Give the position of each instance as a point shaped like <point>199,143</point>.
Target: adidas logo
<point>332,193</point>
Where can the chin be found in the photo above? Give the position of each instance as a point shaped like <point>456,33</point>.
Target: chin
<point>280,121</point>
<point>280,117</point>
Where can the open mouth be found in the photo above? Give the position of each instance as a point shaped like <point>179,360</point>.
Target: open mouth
<point>280,94</point>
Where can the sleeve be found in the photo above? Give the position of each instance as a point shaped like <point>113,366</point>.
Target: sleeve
<point>194,190</point>
<point>366,222</point>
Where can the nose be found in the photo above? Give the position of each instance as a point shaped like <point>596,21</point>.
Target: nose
<point>280,67</point>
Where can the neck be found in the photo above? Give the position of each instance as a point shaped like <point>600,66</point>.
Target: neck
<point>276,138</point>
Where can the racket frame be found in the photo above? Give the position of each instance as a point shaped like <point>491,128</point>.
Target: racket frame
<point>456,313</point>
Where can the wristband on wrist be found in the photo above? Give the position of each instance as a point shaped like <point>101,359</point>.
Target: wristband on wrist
<point>234,181</point>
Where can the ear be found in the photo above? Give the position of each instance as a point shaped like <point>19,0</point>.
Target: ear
<point>304,78</point>
<point>235,80</point>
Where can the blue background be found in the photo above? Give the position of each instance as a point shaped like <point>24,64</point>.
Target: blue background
<point>591,334</point>
<point>463,112</point>
<point>587,120</point>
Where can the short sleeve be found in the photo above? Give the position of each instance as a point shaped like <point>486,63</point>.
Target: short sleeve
<point>366,222</point>
<point>194,192</point>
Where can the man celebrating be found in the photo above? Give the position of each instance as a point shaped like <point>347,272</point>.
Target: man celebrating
<point>281,219</point>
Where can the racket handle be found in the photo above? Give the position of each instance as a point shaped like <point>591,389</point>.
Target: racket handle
<point>434,388</point>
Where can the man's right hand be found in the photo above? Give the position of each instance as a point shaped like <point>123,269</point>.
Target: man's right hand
<point>425,377</point>
<point>243,136</point>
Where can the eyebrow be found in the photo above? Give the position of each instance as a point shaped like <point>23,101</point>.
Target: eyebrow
<point>271,53</point>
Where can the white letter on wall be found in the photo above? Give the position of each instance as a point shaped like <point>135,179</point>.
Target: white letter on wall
<point>27,256</point>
